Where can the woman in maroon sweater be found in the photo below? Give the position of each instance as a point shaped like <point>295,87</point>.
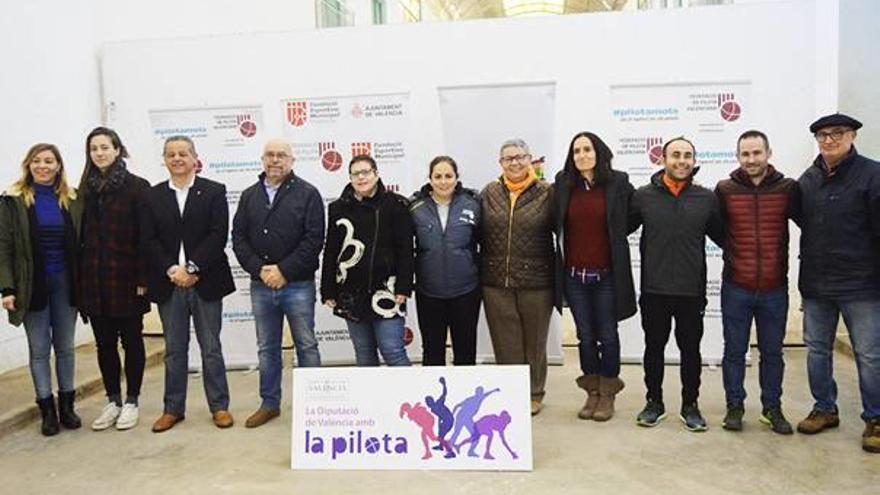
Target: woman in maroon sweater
<point>593,265</point>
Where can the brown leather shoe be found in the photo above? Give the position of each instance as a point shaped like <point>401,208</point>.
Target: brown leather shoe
<point>871,436</point>
<point>818,421</point>
<point>261,417</point>
<point>536,407</point>
<point>166,421</point>
<point>222,419</point>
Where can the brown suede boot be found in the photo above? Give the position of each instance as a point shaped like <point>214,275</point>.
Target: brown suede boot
<point>590,383</point>
<point>608,388</point>
<point>871,436</point>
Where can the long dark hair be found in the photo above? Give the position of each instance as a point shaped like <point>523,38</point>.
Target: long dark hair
<point>602,172</point>
<point>114,140</point>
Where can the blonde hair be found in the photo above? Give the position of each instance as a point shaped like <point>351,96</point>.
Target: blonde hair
<point>24,186</point>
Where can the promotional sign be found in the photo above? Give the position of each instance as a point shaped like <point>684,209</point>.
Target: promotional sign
<point>325,134</point>
<point>712,116</point>
<point>420,418</point>
<point>476,121</point>
<point>229,143</point>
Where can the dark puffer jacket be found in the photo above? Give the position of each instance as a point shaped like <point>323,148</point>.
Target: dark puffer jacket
<point>368,258</point>
<point>840,230</point>
<point>517,247</point>
<point>447,263</point>
<point>756,228</point>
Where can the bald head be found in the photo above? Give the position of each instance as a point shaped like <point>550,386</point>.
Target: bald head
<point>277,160</point>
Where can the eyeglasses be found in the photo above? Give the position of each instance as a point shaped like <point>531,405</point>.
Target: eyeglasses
<point>507,160</point>
<point>270,155</point>
<point>835,135</point>
<point>361,173</point>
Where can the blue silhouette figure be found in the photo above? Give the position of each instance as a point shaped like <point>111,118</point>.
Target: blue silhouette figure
<point>444,415</point>
<point>467,409</point>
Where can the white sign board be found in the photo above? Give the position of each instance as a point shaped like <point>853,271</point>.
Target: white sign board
<point>418,418</point>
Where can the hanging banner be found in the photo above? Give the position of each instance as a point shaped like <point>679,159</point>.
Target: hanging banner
<point>420,418</point>
<point>712,116</point>
<point>325,133</point>
<point>476,121</point>
<point>229,143</point>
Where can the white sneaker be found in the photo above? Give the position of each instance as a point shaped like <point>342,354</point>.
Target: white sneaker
<point>128,418</point>
<point>107,418</point>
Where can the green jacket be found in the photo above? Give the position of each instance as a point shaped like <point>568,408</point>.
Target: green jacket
<point>16,250</point>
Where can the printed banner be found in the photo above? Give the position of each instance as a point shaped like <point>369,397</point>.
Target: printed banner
<point>325,134</point>
<point>420,418</point>
<point>476,121</point>
<point>712,116</point>
<point>229,143</point>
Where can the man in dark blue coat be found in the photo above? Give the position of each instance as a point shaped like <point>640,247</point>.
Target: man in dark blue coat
<point>277,234</point>
<point>840,270</point>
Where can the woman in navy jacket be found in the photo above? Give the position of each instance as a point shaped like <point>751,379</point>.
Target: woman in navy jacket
<point>447,219</point>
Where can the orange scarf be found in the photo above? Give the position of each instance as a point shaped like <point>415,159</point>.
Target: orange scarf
<point>674,186</point>
<point>516,188</point>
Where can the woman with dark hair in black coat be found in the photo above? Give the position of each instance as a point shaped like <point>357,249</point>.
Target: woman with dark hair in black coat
<point>593,265</point>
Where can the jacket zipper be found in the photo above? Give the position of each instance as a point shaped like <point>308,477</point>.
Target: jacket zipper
<point>509,237</point>
<point>373,250</point>
<point>757,243</point>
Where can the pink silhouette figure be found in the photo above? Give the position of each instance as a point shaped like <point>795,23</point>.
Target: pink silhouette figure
<point>418,414</point>
<point>487,426</point>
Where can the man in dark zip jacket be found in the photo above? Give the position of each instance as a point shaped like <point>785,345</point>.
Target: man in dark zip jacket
<point>367,270</point>
<point>277,234</point>
<point>676,215</point>
<point>756,203</point>
<point>840,271</point>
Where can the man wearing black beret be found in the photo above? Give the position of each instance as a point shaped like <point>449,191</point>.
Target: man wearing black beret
<point>840,271</point>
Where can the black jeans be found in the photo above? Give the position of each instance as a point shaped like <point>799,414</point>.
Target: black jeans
<point>458,314</point>
<point>658,311</point>
<point>108,331</point>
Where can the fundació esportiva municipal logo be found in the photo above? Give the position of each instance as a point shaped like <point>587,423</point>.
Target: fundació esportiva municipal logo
<point>246,125</point>
<point>362,148</point>
<point>654,149</point>
<point>729,108</point>
<point>297,113</point>
<point>331,159</point>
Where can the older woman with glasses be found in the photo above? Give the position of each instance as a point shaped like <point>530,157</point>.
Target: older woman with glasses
<point>39,225</point>
<point>517,264</point>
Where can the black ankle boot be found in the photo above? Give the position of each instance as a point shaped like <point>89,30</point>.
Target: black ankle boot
<point>49,415</point>
<point>66,414</point>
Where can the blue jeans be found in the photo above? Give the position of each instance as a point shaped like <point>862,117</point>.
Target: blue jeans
<point>207,315</point>
<point>862,320</point>
<point>296,301</point>
<point>769,310</point>
<point>386,335</point>
<point>52,327</point>
<point>592,306</point>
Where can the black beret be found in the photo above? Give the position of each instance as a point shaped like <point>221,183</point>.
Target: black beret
<point>835,119</point>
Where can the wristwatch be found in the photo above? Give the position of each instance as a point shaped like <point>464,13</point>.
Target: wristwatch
<point>192,268</point>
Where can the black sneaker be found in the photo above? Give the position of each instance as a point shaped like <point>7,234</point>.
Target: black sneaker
<point>776,421</point>
<point>733,420</point>
<point>652,414</point>
<point>692,419</point>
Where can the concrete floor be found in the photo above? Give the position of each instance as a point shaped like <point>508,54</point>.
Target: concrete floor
<point>571,456</point>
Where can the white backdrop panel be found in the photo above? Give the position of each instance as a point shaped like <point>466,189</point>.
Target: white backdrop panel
<point>417,59</point>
